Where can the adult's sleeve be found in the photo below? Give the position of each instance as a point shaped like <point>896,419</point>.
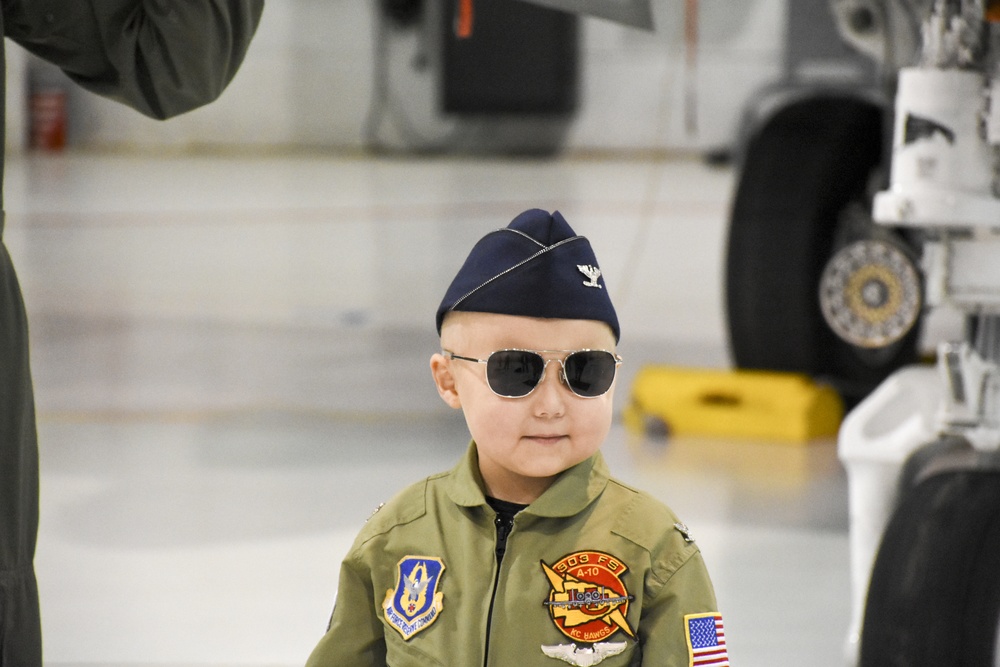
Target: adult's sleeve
<point>355,636</point>
<point>162,57</point>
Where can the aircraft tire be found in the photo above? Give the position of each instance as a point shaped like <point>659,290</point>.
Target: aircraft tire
<point>934,597</point>
<point>800,172</point>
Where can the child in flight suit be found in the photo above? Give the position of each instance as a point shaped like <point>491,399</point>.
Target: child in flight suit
<point>527,552</point>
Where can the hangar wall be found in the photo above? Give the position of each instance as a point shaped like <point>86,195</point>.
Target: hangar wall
<point>308,83</point>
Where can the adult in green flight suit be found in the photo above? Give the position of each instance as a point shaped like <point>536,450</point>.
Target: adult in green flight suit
<point>163,58</point>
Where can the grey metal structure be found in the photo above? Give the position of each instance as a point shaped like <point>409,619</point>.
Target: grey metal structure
<point>868,196</point>
<point>635,13</point>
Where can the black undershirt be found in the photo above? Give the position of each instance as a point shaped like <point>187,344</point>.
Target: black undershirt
<point>504,522</point>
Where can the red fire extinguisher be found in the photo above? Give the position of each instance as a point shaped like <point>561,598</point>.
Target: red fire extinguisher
<point>48,116</point>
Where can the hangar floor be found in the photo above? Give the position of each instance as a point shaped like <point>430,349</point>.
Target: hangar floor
<point>230,357</point>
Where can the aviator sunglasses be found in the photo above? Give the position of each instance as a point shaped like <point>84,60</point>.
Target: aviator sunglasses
<point>516,373</point>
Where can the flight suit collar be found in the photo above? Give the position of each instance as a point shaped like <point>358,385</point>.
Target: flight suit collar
<point>572,491</point>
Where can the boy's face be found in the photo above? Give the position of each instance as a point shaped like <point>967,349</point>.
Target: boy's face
<point>525,442</point>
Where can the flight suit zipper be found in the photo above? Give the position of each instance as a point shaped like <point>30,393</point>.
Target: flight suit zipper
<point>504,525</point>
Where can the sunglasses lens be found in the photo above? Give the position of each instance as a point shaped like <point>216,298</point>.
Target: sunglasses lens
<point>590,373</point>
<point>514,373</point>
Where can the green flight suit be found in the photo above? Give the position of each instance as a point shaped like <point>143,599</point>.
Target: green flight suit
<point>163,58</point>
<point>428,556</point>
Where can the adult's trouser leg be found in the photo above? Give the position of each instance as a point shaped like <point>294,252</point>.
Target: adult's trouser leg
<point>20,624</point>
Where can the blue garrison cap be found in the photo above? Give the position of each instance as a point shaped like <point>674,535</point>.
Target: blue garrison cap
<point>537,266</point>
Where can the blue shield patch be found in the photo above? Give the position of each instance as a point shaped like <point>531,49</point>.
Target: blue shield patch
<point>415,603</point>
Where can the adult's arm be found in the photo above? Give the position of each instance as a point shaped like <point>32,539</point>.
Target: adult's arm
<point>162,57</point>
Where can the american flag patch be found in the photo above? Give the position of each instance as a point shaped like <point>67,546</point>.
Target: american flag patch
<point>706,640</point>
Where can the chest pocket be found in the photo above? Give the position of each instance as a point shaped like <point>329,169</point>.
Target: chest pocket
<point>399,653</point>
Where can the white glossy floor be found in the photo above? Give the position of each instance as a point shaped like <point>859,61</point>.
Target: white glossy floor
<point>230,357</point>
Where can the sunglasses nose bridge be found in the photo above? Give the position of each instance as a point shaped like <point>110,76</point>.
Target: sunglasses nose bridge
<point>563,377</point>
<point>562,372</point>
<point>545,367</point>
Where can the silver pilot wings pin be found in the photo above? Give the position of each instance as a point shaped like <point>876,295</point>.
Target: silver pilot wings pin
<point>584,657</point>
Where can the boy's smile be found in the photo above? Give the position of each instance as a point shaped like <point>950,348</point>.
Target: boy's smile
<point>523,443</point>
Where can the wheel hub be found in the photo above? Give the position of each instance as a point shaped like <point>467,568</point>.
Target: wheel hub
<point>870,294</point>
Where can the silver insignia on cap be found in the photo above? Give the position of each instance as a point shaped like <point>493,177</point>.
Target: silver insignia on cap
<point>592,273</point>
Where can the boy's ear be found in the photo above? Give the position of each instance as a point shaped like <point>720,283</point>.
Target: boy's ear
<point>445,381</point>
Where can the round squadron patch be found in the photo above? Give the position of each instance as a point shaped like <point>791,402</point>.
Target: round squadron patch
<point>588,601</point>
<point>415,603</point>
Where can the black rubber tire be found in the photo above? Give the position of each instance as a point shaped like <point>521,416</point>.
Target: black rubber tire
<point>934,597</point>
<point>800,171</point>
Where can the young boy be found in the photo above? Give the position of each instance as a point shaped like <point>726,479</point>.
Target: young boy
<point>527,552</point>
